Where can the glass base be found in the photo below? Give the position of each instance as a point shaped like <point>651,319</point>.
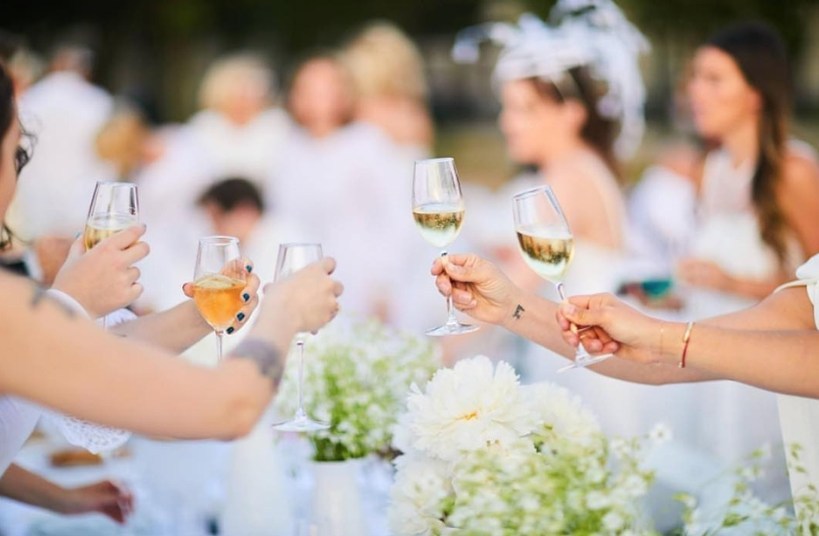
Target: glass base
<point>301,424</point>
<point>583,361</point>
<point>451,329</point>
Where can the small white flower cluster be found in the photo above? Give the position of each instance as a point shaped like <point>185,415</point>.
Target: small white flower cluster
<point>745,513</point>
<point>484,455</point>
<point>356,377</point>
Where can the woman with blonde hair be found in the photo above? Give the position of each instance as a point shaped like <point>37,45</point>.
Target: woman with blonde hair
<point>390,85</point>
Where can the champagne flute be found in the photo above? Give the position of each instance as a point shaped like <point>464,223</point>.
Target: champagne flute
<point>218,281</point>
<point>547,246</point>
<point>292,258</point>
<point>438,210</point>
<point>114,207</point>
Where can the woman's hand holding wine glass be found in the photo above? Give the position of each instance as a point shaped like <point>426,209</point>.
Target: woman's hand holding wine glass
<point>104,279</point>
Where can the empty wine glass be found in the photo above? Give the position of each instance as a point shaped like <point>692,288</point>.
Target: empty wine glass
<point>292,258</point>
<point>547,246</point>
<point>438,211</point>
<point>218,281</point>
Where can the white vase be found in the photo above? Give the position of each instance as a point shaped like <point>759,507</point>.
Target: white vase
<point>336,506</point>
<point>258,502</point>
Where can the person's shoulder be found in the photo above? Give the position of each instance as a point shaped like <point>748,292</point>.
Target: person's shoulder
<point>800,167</point>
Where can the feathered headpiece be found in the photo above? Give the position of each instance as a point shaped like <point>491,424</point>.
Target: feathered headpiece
<point>592,33</point>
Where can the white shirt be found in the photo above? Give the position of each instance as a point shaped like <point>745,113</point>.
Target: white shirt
<point>65,113</point>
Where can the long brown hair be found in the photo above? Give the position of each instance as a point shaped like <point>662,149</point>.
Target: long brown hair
<point>7,113</point>
<point>598,131</point>
<point>760,55</point>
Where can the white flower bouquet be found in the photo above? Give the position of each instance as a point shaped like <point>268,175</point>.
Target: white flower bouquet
<point>484,455</point>
<point>356,378</point>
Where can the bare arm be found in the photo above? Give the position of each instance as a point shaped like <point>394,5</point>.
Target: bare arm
<point>104,497</point>
<point>482,291</point>
<point>174,330</point>
<point>799,198</point>
<point>773,345</point>
<point>67,363</point>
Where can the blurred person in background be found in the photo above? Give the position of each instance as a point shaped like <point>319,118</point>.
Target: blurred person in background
<point>757,203</point>
<point>64,112</point>
<point>570,94</point>
<point>387,72</point>
<point>238,130</point>
<point>346,185</point>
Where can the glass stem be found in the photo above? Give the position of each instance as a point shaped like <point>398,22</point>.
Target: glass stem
<point>218,346</point>
<point>300,413</point>
<point>581,352</point>
<point>561,291</point>
<point>450,309</point>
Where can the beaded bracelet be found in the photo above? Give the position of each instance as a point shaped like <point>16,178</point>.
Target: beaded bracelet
<point>685,339</point>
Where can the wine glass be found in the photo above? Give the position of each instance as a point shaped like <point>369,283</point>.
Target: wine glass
<point>438,210</point>
<point>292,258</point>
<point>218,281</point>
<point>547,246</point>
<point>114,207</point>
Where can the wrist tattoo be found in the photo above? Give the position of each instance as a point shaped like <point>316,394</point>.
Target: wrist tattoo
<point>519,310</point>
<point>266,357</point>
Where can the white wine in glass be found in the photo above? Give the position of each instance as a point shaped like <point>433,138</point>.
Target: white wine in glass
<point>114,207</point>
<point>292,258</point>
<point>547,246</point>
<point>218,281</point>
<point>438,211</point>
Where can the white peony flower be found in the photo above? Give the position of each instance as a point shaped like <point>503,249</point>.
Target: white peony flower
<point>562,414</point>
<point>469,407</point>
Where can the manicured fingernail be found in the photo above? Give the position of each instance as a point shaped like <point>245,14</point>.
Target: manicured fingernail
<point>230,330</point>
<point>246,297</point>
<point>249,268</point>
<point>240,317</point>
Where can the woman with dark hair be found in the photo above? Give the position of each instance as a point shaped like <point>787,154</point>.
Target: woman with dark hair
<point>52,355</point>
<point>758,187</point>
<point>757,209</point>
<point>571,105</point>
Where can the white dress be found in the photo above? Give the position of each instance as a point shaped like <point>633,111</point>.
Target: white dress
<point>728,234</point>
<point>351,191</point>
<point>798,416</point>
<point>64,112</point>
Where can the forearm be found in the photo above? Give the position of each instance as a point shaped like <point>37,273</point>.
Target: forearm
<point>174,330</point>
<point>81,370</point>
<point>535,320</point>
<point>24,486</point>
<point>780,361</point>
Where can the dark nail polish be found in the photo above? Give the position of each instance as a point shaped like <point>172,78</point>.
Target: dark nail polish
<point>246,297</point>
<point>240,316</point>
<point>249,268</point>
<point>230,330</point>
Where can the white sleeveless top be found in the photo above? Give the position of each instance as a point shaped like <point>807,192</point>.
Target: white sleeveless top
<point>798,416</point>
<point>728,234</point>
